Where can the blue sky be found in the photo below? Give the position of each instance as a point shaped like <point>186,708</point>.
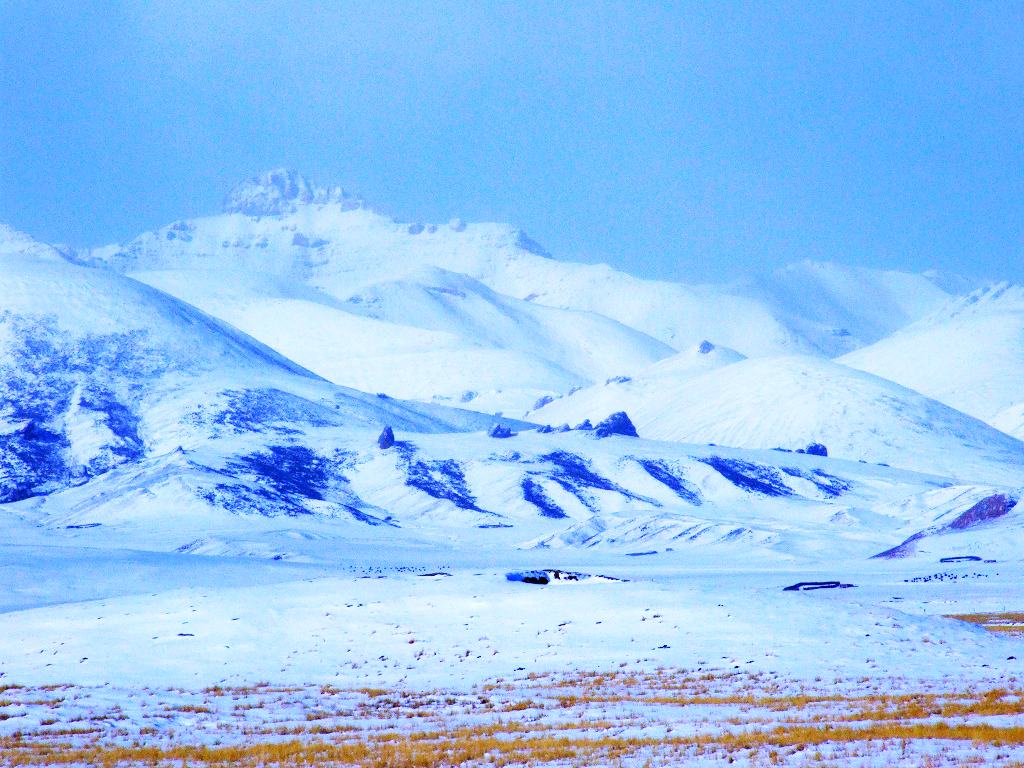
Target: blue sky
<point>690,141</point>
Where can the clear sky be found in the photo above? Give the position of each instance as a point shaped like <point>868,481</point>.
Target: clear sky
<point>684,140</point>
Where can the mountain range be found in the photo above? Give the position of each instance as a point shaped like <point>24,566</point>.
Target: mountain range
<point>217,386</point>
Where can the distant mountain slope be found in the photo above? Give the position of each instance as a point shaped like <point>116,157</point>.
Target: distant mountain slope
<point>972,522</point>
<point>645,385</point>
<point>98,370</point>
<point>969,355</point>
<point>373,304</point>
<point>839,308</point>
<point>788,402</point>
<point>325,242</point>
<point>433,335</point>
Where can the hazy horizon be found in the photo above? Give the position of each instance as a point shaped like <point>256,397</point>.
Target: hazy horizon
<point>686,142</point>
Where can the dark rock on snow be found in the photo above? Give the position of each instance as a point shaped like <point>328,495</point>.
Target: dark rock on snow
<point>616,424</point>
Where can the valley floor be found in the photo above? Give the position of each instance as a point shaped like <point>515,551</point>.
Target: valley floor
<point>172,659</point>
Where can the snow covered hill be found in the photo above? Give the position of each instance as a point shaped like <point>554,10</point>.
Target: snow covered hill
<point>789,402</point>
<point>98,370</point>
<point>124,398</point>
<point>432,335</point>
<point>371,304</point>
<point>839,308</point>
<point>969,355</point>
<point>979,522</point>
<point>312,272</point>
<point>299,498</point>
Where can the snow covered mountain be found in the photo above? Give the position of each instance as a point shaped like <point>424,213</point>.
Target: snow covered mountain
<point>182,393</point>
<point>840,308</point>
<point>98,370</point>
<point>789,402</point>
<point>969,355</point>
<point>480,311</point>
<point>352,296</point>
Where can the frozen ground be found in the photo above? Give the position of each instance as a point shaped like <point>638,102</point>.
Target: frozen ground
<point>360,623</point>
<point>669,658</point>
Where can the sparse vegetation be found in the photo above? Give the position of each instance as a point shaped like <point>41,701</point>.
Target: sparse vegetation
<point>626,717</point>
<point>1011,622</point>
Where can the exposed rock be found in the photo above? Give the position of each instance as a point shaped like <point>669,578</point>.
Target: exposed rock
<point>499,431</point>
<point>386,439</point>
<point>530,245</point>
<point>988,508</point>
<point>616,424</point>
<point>541,401</point>
<point>281,191</point>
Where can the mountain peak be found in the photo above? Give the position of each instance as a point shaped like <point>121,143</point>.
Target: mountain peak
<point>15,243</point>
<point>282,191</point>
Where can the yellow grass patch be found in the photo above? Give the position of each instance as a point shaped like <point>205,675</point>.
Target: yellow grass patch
<point>1009,622</point>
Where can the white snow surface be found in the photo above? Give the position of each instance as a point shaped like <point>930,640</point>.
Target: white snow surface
<point>480,311</point>
<point>789,402</point>
<point>969,355</point>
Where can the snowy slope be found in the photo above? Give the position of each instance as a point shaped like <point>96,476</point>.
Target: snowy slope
<point>789,402</point>
<point>433,335</point>
<point>368,303</point>
<point>646,384</point>
<point>969,355</point>
<point>326,244</point>
<point>98,370</point>
<point>300,499</point>
<point>977,523</point>
<point>15,244</point>
<point>839,308</point>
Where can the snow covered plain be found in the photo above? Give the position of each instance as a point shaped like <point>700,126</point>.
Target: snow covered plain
<point>207,557</point>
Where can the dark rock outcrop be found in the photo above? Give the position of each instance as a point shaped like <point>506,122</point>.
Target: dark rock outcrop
<point>616,424</point>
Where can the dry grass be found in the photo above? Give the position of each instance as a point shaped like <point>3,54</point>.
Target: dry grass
<point>666,717</point>
<point>1009,622</point>
<point>468,746</point>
